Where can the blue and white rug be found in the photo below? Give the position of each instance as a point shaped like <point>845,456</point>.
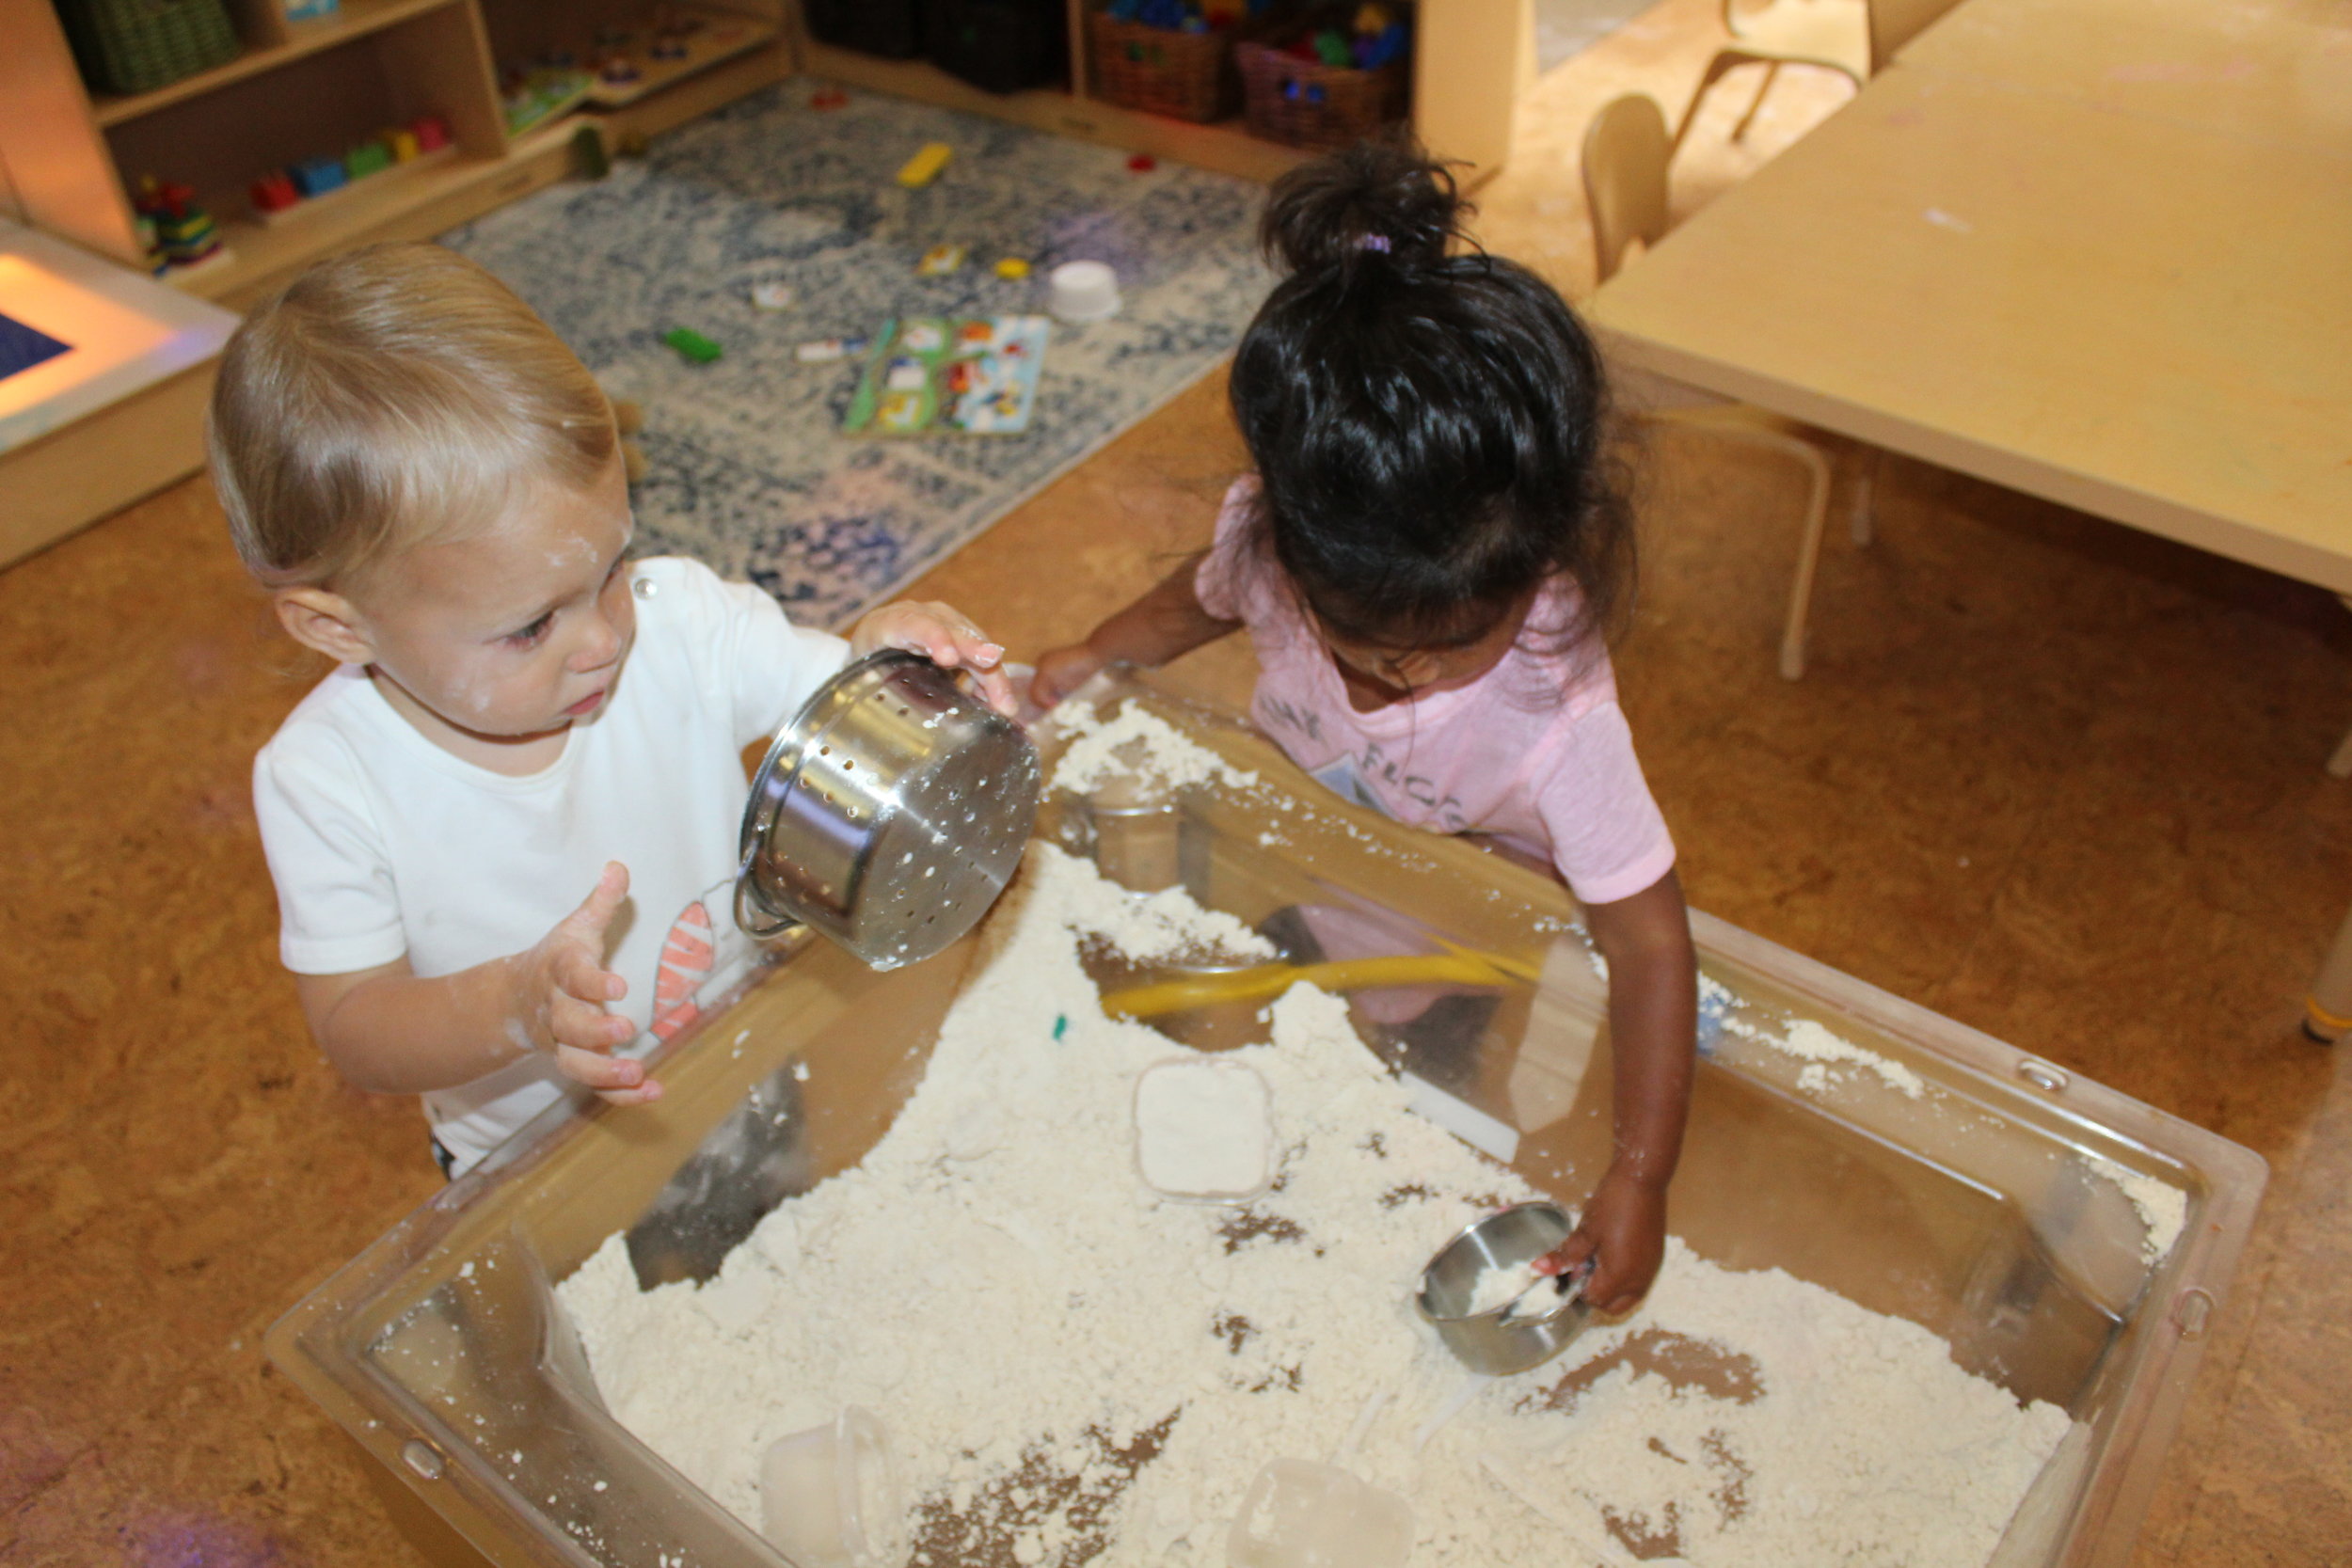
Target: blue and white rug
<point>748,469</point>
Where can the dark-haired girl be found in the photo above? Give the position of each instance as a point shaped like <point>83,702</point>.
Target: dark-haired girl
<point>1429,559</point>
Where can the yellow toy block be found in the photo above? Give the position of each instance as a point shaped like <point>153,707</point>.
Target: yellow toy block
<point>1013,269</point>
<point>925,165</point>
<point>404,144</point>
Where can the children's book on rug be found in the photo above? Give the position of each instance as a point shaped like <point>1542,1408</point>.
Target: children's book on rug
<point>975,377</point>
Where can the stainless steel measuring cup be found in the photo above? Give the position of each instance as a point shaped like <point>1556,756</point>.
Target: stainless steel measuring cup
<point>888,814</point>
<point>1499,1342</point>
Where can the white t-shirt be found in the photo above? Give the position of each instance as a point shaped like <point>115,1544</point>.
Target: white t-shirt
<point>384,844</point>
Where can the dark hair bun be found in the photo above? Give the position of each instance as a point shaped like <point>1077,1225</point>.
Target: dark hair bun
<point>1376,198</point>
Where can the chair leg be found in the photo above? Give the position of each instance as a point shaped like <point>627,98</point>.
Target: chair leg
<point>2328,1010</point>
<point>1816,467</point>
<point>1772,74</point>
<point>2340,765</point>
<point>1726,60</point>
<point>1862,517</point>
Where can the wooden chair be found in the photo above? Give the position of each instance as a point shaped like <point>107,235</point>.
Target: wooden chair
<point>1626,154</point>
<point>1855,37</point>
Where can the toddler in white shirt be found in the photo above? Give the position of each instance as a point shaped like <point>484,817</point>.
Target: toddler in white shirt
<point>503,829</point>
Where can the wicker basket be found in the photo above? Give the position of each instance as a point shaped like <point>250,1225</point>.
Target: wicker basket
<point>1190,76</point>
<point>1308,103</point>
<point>126,46</point>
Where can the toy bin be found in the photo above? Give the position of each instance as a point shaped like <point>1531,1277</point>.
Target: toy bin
<point>444,1353</point>
<point>1001,46</point>
<point>890,28</point>
<point>1314,103</point>
<point>125,46</point>
<point>1161,70</point>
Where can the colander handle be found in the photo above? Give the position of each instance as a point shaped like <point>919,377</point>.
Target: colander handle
<point>754,918</point>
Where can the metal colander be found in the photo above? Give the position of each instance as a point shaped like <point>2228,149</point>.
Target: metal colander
<point>888,814</point>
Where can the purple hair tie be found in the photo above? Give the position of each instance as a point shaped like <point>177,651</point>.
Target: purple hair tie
<point>1372,241</point>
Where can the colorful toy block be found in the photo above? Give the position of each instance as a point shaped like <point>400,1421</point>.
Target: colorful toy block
<point>317,176</point>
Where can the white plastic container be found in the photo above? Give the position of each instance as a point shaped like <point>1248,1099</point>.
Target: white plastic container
<point>829,1496</point>
<point>1303,1515</point>
<point>1082,292</point>
<point>1204,1130</point>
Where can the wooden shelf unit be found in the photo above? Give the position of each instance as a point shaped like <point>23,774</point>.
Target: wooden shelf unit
<point>286,42</point>
<point>1224,146</point>
<point>305,88</point>
<point>1467,68</point>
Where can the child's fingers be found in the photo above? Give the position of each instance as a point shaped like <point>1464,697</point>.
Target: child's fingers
<point>1569,1256</point>
<point>586,922</point>
<point>578,975</point>
<point>603,902</point>
<point>939,632</point>
<point>996,687</point>
<point>585,1026</point>
<point>606,1075</point>
<point>644,1094</point>
<point>1061,671</point>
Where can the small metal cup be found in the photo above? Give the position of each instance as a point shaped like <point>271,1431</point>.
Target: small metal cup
<point>1489,1342</point>
<point>888,814</point>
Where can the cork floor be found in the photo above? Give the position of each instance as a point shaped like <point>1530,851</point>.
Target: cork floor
<point>2057,780</point>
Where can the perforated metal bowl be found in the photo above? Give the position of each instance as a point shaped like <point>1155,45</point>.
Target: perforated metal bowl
<point>888,814</point>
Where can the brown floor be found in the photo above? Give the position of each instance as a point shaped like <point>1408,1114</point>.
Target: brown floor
<point>2055,779</point>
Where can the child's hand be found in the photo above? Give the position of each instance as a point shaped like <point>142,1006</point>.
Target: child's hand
<point>1062,670</point>
<point>943,636</point>
<point>1624,1232</point>
<point>562,988</point>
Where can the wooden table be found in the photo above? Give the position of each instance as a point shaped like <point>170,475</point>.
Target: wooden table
<point>2276,70</point>
<point>2057,284</point>
<point>2127,315</point>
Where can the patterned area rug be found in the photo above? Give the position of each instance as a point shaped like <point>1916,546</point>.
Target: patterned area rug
<point>748,469</point>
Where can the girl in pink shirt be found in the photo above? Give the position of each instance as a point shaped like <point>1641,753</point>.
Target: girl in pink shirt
<point>1429,559</point>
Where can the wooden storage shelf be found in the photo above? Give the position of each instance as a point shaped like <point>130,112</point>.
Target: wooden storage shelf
<point>1224,146</point>
<point>264,257</point>
<point>355,19</point>
<point>1466,72</point>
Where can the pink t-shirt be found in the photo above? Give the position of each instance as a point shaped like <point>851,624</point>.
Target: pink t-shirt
<point>1535,752</point>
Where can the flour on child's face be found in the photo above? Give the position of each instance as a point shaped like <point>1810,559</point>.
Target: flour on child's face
<point>490,643</point>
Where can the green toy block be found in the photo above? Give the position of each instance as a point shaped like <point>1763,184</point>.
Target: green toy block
<point>693,344</point>
<point>369,157</point>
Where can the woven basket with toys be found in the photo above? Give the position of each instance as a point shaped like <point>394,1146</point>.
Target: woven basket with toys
<point>1171,57</point>
<point>1331,81</point>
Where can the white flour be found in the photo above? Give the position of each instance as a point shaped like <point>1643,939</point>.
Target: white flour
<point>1108,1371</point>
<point>1501,1285</point>
<point>1135,746</point>
<point>1512,1285</point>
<point>2163,1208</point>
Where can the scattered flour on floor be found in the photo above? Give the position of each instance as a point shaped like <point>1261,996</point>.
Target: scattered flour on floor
<point>1108,1371</point>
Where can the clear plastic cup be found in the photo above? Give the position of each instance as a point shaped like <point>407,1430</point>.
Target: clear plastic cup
<point>829,1496</point>
<point>1300,1513</point>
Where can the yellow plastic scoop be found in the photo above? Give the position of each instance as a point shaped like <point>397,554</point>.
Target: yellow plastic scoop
<point>1267,981</point>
